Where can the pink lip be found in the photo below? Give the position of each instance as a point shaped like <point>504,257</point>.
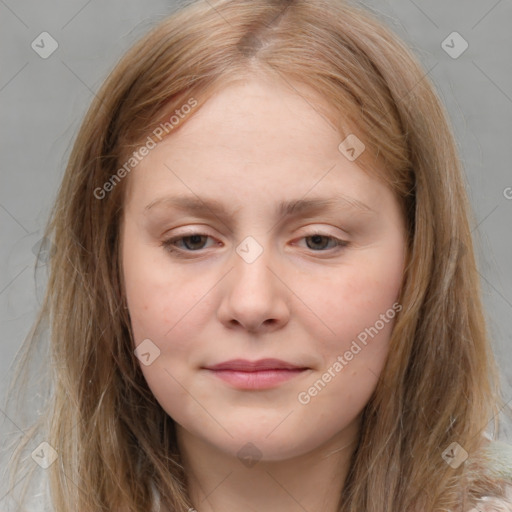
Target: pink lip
<point>262,374</point>
<point>253,366</point>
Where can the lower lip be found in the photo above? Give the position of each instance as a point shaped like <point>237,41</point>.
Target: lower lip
<point>262,379</point>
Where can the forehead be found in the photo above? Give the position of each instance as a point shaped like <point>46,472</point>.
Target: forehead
<point>262,115</point>
<point>256,134</point>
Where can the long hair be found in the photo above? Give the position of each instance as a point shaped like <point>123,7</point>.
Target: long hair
<point>440,383</point>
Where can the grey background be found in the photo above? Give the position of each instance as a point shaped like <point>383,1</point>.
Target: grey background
<point>43,101</point>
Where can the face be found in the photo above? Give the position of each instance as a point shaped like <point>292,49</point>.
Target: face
<point>222,261</point>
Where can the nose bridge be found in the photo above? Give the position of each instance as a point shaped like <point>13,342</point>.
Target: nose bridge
<point>253,295</point>
<point>252,261</point>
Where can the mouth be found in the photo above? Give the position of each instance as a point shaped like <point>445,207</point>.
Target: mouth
<point>262,374</point>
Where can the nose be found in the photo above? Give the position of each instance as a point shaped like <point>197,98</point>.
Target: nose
<point>254,295</point>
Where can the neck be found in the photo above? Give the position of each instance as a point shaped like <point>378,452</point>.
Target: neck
<point>309,481</point>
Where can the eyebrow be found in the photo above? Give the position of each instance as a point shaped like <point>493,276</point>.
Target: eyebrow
<point>288,208</point>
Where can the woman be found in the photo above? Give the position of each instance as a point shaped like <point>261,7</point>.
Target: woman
<point>262,372</point>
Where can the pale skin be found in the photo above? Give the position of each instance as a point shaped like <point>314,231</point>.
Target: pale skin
<point>302,300</point>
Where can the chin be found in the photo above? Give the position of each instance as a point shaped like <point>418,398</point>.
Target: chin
<point>256,443</point>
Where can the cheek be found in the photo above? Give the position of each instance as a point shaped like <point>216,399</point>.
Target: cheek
<point>161,315</point>
<point>157,310</point>
<point>354,299</point>
<point>358,311</point>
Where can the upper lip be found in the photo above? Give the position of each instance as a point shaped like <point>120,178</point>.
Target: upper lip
<point>252,366</point>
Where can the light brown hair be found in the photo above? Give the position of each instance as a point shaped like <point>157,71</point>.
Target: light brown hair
<point>440,382</point>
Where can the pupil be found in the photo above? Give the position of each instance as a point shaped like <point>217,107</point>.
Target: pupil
<point>195,239</point>
<point>317,239</point>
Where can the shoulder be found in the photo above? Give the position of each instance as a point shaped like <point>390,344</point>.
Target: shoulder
<point>494,504</point>
<point>492,468</point>
<point>499,455</point>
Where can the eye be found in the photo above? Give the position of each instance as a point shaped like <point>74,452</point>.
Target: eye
<point>194,242</point>
<point>318,241</point>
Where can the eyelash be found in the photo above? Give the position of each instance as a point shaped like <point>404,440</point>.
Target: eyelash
<point>168,244</point>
